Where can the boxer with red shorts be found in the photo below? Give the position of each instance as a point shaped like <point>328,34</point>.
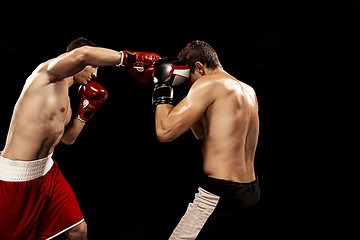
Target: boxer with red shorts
<point>36,202</point>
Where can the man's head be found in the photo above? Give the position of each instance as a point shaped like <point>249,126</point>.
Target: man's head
<point>85,75</point>
<point>199,55</point>
<point>79,42</point>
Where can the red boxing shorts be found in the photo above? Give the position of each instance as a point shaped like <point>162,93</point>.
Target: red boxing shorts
<point>36,202</point>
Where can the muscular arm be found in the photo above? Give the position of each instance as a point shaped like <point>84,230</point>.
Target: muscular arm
<point>74,61</point>
<point>171,122</point>
<point>72,131</point>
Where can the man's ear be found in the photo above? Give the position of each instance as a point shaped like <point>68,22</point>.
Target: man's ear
<point>199,67</point>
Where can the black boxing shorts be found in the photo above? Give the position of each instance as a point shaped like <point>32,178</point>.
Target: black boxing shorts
<point>221,210</point>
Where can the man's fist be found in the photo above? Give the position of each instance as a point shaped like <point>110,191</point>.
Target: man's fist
<point>169,75</point>
<point>91,96</point>
<point>139,64</point>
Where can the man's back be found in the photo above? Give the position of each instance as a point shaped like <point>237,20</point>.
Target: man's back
<point>231,127</point>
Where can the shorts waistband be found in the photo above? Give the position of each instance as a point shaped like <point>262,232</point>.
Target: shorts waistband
<point>20,171</point>
<point>246,193</point>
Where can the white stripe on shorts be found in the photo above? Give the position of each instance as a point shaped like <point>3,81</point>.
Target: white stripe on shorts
<point>196,215</point>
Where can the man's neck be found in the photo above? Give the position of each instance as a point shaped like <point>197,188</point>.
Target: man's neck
<point>209,71</point>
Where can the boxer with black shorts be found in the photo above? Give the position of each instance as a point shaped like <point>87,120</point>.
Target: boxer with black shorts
<point>223,112</point>
<point>36,202</point>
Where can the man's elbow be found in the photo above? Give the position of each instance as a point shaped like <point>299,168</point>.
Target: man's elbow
<point>82,54</point>
<point>68,141</point>
<point>163,136</point>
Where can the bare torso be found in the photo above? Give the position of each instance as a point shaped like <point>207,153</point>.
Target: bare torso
<point>42,114</point>
<point>223,112</point>
<point>231,129</point>
<point>39,118</point>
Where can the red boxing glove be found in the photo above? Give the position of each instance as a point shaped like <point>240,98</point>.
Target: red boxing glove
<point>139,64</point>
<point>91,96</point>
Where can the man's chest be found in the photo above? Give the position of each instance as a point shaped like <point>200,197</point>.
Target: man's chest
<point>65,110</point>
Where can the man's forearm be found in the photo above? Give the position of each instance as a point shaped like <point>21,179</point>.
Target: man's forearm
<point>73,62</point>
<point>162,125</point>
<point>171,122</point>
<point>72,131</point>
<point>101,57</point>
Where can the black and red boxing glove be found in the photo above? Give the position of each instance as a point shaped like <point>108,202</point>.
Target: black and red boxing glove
<point>139,64</point>
<point>170,77</point>
<point>91,96</point>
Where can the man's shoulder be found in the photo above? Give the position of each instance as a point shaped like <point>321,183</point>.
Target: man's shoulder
<point>247,88</point>
<point>42,69</point>
<point>206,82</point>
<point>40,76</point>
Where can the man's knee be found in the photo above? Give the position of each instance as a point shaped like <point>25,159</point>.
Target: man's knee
<point>77,232</point>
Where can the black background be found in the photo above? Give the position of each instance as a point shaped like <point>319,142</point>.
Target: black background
<point>295,54</point>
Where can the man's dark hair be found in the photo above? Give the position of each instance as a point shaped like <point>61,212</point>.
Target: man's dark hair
<point>79,42</point>
<point>199,51</point>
